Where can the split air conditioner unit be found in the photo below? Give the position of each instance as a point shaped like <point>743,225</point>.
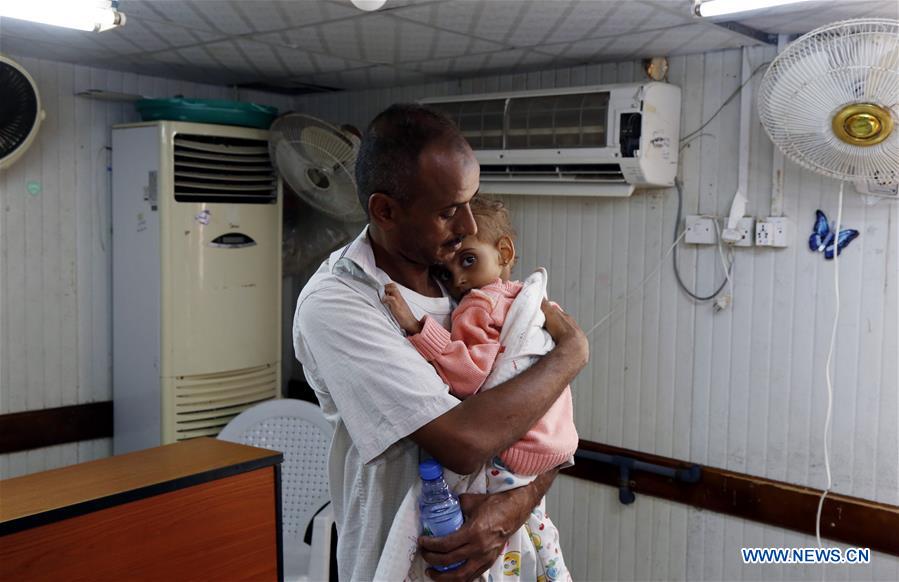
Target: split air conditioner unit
<point>605,140</point>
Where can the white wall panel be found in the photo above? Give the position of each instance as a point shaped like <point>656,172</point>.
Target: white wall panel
<point>55,284</point>
<point>664,542</point>
<point>742,389</point>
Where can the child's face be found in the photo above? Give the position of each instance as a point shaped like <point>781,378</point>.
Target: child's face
<point>476,265</point>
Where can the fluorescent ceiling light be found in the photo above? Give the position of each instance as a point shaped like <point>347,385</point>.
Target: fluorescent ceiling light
<point>712,8</point>
<point>368,5</point>
<point>90,15</point>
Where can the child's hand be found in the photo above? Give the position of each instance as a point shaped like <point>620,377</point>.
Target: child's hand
<point>400,309</point>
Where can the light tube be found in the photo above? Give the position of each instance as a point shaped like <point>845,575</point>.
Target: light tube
<point>712,8</point>
<point>90,15</point>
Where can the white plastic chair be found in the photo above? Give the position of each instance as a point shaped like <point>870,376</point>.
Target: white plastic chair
<point>299,431</point>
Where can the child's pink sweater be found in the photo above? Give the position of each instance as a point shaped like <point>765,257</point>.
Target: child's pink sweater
<point>465,358</point>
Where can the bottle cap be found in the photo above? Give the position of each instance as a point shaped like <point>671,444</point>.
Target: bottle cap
<point>430,470</point>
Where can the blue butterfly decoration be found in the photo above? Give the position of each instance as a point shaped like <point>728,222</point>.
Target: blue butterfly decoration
<point>822,238</point>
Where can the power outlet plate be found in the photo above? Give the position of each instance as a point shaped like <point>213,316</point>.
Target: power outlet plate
<point>700,230</point>
<point>764,237</point>
<point>774,231</point>
<point>746,228</point>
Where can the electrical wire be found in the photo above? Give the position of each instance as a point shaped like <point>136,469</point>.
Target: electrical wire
<point>637,287</point>
<point>102,193</point>
<point>680,282</point>
<point>696,133</point>
<point>727,268</point>
<point>828,365</point>
<point>686,143</point>
<point>726,101</point>
<point>724,263</point>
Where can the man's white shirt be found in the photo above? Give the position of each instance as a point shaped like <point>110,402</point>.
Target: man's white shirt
<point>374,388</point>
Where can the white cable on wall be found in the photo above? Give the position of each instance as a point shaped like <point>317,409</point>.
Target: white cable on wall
<point>722,302</point>
<point>728,268</point>
<point>829,363</point>
<point>638,286</point>
<point>727,272</point>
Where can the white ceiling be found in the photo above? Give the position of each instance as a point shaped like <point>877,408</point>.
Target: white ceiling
<point>330,43</point>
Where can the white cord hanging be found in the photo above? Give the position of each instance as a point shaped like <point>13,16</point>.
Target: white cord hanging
<point>828,367</point>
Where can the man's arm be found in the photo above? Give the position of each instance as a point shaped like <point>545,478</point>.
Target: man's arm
<point>472,433</point>
<point>489,521</point>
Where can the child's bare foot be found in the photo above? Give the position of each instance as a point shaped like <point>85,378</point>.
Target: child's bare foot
<point>400,309</point>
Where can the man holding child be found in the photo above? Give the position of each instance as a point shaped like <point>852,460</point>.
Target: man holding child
<point>415,175</point>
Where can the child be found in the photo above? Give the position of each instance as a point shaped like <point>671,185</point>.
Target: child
<point>479,275</point>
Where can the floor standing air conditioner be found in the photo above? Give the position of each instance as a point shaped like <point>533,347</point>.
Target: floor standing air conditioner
<point>196,279</point>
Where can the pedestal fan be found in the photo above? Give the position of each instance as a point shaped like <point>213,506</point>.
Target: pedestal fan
<point>317,160</point>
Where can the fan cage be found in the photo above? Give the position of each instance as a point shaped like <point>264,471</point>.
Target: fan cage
<point>20,111</point>
<point>318,162</point>
<point>817,76</point>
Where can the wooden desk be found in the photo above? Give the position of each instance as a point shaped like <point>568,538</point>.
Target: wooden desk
<point>202,509</point>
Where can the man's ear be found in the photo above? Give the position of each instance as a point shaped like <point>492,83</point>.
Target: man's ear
<point>506,249</point>
<point>382,210</point>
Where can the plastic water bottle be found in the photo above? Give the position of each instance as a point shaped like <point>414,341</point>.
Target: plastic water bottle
<point>441,513</point>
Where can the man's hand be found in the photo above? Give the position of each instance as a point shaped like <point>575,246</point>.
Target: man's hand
<point>490,520</point>
<point>468,436</point>
<point>565,331</point>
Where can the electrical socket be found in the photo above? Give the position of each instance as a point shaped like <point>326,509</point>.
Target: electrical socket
<point>700,230</point>
<point>746,228</point>
<point>774,231</point>
<point>763,235</point>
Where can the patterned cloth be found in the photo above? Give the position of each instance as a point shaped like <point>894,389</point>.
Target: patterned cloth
<point>532,554</point>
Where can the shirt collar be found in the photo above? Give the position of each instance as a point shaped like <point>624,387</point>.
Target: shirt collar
<point>357,260</point>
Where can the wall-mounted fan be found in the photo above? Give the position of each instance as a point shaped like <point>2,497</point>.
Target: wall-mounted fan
<point>830,101</point>
<point>317,161</point>
<point>20,111</point>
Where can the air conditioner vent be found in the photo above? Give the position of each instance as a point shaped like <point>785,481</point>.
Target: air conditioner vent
<point>204,403</point>
<point>574,120</point>
<point>592,172</point>
<point>577,120</point>
<point>223,169</point>
<point>482,122</point>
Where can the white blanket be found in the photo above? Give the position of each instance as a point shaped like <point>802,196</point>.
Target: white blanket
<point>532,553</point>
